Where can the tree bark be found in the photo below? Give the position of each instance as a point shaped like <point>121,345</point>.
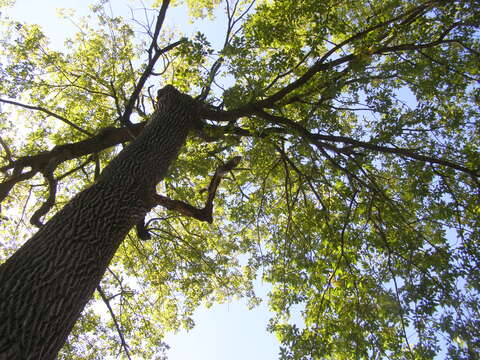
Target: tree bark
<point>45,285</point>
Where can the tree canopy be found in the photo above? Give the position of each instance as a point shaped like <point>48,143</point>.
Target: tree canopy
<point>356,197</point>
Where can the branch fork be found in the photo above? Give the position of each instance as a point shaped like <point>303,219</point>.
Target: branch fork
<point>185,209</point>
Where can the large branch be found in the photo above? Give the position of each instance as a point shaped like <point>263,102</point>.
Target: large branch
<point>152,60</point>
<point>106,138</point>
<point>158,26</point>
<point>8,184</point>
<point>322,64</point>
<point>185,209</point>
<point>145,75</point>
<point>407,153</point>
<point>205,213</point>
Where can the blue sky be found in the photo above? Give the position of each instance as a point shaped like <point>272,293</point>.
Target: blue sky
<point>226,331</point>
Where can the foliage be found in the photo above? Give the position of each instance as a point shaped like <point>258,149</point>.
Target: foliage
<point>357,198</point>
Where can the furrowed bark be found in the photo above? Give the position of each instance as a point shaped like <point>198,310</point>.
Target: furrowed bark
<point>106,138</point>
<point>45,285</point>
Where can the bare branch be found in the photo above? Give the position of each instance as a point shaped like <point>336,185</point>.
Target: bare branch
<point>412,47</point>
<point>253,107</point>
<point>81,166</point>
<point>409,153</point>
<point>8,153</point>
<point>48,204</point>
<point>321,65</point>
<point>8,184</point>
<point>230,33</point>
<point>125,118</point>
<point>286,73</point>
<point>202,214</point>
<point>158,26</point>
<point>115,321</point>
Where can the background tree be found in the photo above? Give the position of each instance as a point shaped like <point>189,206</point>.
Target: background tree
<point>357,197</point>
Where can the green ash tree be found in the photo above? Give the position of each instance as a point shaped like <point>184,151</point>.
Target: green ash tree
<point>329,148</point>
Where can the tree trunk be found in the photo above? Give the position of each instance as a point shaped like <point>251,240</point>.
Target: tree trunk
<point>45,285</point>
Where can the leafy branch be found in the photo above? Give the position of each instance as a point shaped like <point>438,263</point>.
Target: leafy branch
<point>48,112</point>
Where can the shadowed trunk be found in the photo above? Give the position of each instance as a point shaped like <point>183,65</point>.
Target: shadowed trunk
<point>45,285</point>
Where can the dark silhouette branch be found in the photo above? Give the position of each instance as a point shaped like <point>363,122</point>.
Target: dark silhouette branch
<point>154,53</point>
<point>409,153</point>
<point>125,119</point>
<point>8,152</point>
<point>48,204</point>
<point>232,21</point>
<point>185,209</point>
<point>205,213</point>
<point>321,65</point>
<point>158,26</point>
<point>74,170</point>
<point>413,47</point>
<point>106,138</point>
<point>115,321</point>
<point>8,184</point>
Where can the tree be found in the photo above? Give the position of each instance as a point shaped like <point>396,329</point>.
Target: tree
<point>356,196</point>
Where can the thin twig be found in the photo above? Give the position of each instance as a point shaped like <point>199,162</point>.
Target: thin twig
<point>48,112</point>
<point>115,321</point>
